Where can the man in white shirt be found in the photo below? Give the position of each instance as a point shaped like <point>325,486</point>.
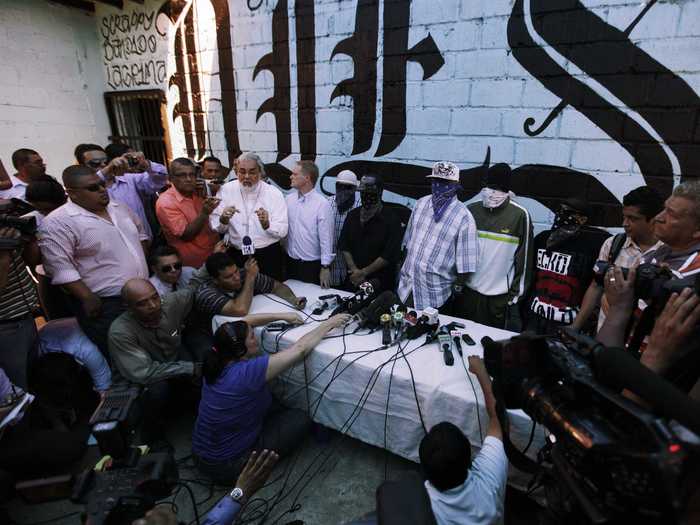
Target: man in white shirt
<point>311,225</point>
<point>252,216</point>
<point>169,275</point>
<point>29,166</point>
<point>462,491</point>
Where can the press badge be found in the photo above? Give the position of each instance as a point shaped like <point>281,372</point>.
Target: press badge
<point>247,248</point>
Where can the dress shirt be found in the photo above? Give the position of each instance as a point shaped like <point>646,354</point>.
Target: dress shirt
<point>65,335</point>
<point>339,270</point>
<point>79,245</point>
<point>37,215</point>
<point>479,500</point>
<point>224,513</point>
<point>19,296</point>
<point>145,355</point>
<point>164,288</point>
<point>17,191</point>
<point>130,187</point>
<point>246,222</point>
<point>436,252</point>
<point>311,226</point>
<point>175,212</point>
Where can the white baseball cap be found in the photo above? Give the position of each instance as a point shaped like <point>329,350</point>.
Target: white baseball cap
<point>445,170</point>
<point>347,177</point>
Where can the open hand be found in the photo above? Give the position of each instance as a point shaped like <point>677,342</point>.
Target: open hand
<point>338,320</point>
<point>256,471</point>
<point>210,204</point>
<point>325,277</point>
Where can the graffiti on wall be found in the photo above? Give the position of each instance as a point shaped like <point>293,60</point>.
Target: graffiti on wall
<point>131,44</point>
<point>621,89</point>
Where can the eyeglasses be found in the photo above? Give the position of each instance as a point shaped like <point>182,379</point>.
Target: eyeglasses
<point>96,163</point>
<point>167,268</point>
<point>92,187</point>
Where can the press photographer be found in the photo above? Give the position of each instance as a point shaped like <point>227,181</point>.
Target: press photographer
<point>650,312</point>
<point>18,296</point>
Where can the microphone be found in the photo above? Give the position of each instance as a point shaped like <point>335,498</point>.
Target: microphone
<point>446,346</point>
<point>618,369</point>
<point>385,320</point>
<point>369,315</point>
<point>455,338</point>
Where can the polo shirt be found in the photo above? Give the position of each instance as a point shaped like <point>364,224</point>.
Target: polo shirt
<point>379,237</point>
<point>175,212</point>
<point>146,355</point>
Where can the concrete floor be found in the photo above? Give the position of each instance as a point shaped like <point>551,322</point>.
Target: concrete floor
<point>333,480</point>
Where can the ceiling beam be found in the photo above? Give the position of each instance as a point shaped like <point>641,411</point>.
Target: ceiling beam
<point>78,4</point>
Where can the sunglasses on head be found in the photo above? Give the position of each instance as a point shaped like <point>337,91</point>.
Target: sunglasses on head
<point>166,268</point>
<point>96,163</point>
<point>92,187</point>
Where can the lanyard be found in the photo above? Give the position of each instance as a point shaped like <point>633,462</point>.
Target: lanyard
<point>245,206</point>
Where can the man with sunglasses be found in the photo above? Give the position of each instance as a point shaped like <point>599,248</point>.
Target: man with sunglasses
<point>168,273</point>
<point>184,214</point>
<point>91,247</point>
<point>128,175</point>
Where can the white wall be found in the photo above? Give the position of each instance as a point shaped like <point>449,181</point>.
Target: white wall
<point>50,82</point>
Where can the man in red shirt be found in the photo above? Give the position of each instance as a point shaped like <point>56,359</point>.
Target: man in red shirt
<point>184,215</point>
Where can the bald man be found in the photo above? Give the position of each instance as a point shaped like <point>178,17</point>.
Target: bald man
<point>146,347</point>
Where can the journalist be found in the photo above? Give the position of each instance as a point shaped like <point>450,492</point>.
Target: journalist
<point>237,413</point>
<point>30,166</point>
<point>462,490</point>
<point>169,275</point>
<point>18,300</point>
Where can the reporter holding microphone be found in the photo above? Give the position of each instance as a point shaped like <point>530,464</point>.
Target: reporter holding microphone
<point>237,413</point>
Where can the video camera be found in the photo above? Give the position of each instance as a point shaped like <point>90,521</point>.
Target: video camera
<point>10,217</point>
<point>606,455</point>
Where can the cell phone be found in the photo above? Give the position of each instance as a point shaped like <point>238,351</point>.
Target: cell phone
<point>467,339</point>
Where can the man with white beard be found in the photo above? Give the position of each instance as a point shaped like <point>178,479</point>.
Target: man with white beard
<point>253,217</point>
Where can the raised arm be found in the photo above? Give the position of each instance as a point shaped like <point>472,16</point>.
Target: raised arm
<point>285,359</point>
<point>477,367</point>
<point>263,319</point>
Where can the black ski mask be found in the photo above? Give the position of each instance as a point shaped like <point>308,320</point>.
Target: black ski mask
<point>344,196</point>
<point>370,189</point>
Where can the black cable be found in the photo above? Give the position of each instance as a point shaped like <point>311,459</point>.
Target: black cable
<point>386,419</point>
<point>415,392</point>
<point>308,316</point>
<point>476,399</point>
<point>194,502</point>
<point>532,437</point>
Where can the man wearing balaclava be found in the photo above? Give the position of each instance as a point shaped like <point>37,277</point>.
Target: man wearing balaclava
<point>503,276</point>
<point>441,245</point>
<point>564,259</point>
<point>346,198</point>
<point>370,242</point>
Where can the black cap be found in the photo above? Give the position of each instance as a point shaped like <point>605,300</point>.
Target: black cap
<point>498,177</point>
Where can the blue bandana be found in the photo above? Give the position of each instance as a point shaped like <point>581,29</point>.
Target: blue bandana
<point>443,193</point>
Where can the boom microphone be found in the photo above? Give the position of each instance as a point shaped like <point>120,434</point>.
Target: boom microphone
<point>617,369</point>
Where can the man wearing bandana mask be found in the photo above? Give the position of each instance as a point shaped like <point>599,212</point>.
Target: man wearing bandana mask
<point>370,242</point>
<point>504,273</point>
<point>441,245</point>
<point>346,198</point>
<point>564,258</point>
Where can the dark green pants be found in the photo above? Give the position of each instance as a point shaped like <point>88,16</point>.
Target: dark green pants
<point>491,310</point>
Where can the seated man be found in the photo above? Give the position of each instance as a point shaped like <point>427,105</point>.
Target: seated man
<point>168,273</point>
<point>370,241</point>
<point>461,490</point>
<point>145,344</point>
<point>227,290</point>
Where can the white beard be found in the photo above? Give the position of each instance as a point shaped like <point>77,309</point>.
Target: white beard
<point>249,190</point>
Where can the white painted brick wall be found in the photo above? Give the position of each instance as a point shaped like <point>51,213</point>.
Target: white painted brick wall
<point>50,82</point>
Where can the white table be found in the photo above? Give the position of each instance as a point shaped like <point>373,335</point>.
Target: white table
<point>444,392</point>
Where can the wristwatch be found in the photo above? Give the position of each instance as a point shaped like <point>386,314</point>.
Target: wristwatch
<point>236,494</point>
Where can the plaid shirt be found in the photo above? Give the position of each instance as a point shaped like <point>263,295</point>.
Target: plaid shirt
<point>436,253</point>
<point>339,269</point>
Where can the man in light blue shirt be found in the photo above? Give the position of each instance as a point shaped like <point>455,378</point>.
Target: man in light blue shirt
<point>463,492</point>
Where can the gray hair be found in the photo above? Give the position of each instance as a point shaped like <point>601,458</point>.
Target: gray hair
<point>690,190</point>
<point>255,157</point>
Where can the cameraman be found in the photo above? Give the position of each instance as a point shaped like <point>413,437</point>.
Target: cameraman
<point>678,228</point>
<point>462,490</point>
<point>18,298</point>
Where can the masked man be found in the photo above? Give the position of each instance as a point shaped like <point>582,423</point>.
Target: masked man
<point>564,258</point>
<point>370,242</point>
<point>346,198</point>
<point>503,276</point>
<point>440,241</point>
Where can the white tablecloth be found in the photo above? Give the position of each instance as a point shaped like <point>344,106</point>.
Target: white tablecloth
<point>444,393</point>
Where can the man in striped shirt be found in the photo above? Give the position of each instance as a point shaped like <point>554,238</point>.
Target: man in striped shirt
<point>18,298</point>
<point>346,198</point>
<point>440,243</point>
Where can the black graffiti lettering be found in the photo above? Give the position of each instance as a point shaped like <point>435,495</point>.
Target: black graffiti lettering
<point>127,47</point>
<point>125,24</point>
<point>277,63</point>
<point>306,77</point>
<point>362,86</point>
<point>133,75</point>
<point>396,55</point>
